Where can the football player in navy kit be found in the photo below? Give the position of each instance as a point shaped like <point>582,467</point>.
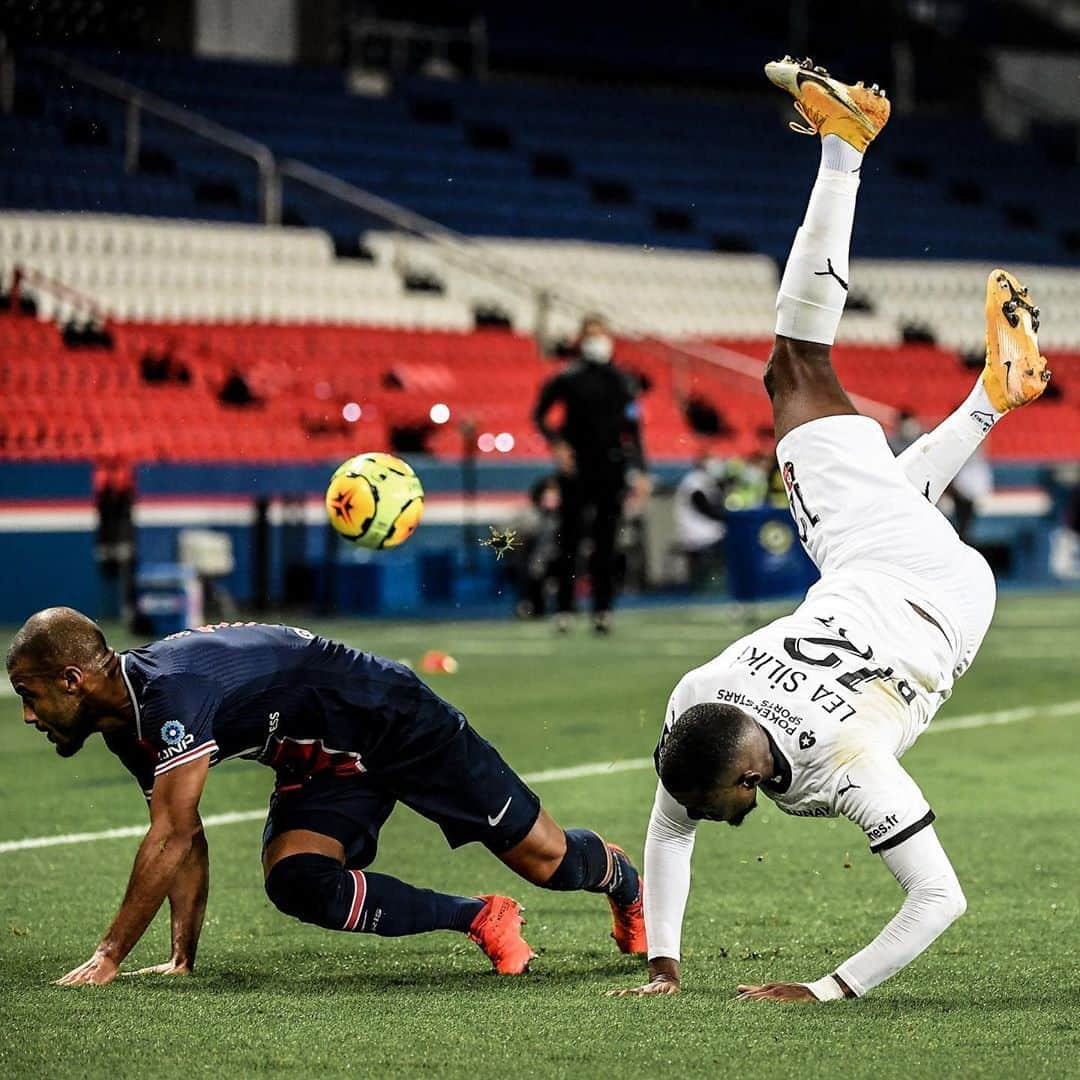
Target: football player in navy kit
<point>348,735</point>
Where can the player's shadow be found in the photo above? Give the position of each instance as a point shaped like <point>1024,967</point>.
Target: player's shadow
<point>275,979</point>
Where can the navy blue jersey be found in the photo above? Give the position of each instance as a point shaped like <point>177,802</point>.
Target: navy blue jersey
<point>297,702</point>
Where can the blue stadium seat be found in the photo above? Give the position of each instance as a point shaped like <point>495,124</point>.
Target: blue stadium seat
<point>940,186</point>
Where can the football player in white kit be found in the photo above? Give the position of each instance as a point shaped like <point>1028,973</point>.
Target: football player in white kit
<point>816,708</point>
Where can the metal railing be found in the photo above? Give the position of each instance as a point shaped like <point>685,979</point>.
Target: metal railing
<point>141,101</point>
<point>78,301</point>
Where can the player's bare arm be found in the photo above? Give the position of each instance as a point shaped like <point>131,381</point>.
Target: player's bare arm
<point>168,844</point>
<point>187,904</point>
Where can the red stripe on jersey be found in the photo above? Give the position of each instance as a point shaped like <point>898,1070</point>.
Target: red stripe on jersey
<point>359,892</point>
<point>184,758</point>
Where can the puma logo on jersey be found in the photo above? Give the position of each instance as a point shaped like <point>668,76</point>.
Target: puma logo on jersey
<point>830,272</point>
<point>848,787</point>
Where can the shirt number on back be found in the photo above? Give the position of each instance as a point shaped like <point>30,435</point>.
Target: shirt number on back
<point>804,517</point>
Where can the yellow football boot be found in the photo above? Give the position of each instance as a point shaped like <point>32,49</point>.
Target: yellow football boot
<point>854,113</point>
<point>1015,373</point>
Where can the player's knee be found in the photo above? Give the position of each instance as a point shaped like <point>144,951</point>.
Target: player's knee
<point>306,887</point>
<point>584,862</point>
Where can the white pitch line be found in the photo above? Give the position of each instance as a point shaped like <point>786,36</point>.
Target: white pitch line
<point>1003,716</point>
<point>572,772</point>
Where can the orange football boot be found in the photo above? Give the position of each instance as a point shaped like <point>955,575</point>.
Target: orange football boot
<point>628,923</point>
<point>856,113</point>
<point>497,930</point>
<point>1015,373</point>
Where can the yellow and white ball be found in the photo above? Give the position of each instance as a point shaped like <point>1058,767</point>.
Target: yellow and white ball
<point>375,500</point>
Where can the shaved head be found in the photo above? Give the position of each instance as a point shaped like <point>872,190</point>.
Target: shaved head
<point>61,667</point>
<point>56,638</point>
<point>712,760</point>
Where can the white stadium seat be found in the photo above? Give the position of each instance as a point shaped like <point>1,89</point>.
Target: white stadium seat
<point>154,269</point>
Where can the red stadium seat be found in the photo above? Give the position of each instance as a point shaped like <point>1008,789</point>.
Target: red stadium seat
<point>77,404</point>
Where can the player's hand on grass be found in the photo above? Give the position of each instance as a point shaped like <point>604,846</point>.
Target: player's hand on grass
<point>665,977</point>
<point>659,984</point>
<point>776,991</point>
<point>170,967</point>
<point>99,970</point>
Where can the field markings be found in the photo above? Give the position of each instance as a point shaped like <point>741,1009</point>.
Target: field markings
<point>573,772</point>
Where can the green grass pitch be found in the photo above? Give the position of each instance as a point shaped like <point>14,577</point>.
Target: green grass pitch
<point>781,898</point>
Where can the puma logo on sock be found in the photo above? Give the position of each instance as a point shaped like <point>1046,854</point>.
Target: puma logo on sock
<point>830,272</point>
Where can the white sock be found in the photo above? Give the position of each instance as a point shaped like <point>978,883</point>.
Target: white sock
<point>840,156</point>
<point>932,461</point>
<point>814,286</point>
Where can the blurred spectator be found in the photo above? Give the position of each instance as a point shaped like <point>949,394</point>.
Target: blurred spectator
<point>908,429</point>
<point>973,482</point>
<point>595,448</point>
<point>535,563</point>
<point>700,513</point>
<point>1063,483</point>
<point>114,544</point>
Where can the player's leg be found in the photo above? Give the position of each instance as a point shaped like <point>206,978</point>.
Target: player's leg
<point>318,839</point>
<point>1014,375</point>
<point>607,512</point>
<point>574,860</point>
<point>568,538</point>
<point>800,379</point>
<point>473,795</point>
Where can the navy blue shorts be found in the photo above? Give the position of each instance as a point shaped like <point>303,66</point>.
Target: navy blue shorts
<point>463,785</point>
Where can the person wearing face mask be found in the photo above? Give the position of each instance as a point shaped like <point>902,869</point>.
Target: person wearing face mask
<point>596,446</point>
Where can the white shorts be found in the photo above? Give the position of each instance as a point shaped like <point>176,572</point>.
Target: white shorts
<point>860,518</point>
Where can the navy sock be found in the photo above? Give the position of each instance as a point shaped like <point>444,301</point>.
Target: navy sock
<point>625,885</point>
<point>393,908</point>
<point>317,889</point>
<point>593,865</point>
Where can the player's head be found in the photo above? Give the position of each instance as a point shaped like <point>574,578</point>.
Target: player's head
<point>56,662</point>
<point>594,342</point>
<point>712,761</point>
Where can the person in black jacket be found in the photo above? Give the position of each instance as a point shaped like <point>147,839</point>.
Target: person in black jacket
<point>596,445</point>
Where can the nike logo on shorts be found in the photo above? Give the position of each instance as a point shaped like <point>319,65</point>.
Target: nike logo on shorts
<point>493,821</point>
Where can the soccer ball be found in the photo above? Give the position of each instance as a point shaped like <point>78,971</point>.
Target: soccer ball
<point>375,500</point>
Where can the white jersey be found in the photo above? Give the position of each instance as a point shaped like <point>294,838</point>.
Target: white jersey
<point>842,688</point>
<point>844,685</point>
